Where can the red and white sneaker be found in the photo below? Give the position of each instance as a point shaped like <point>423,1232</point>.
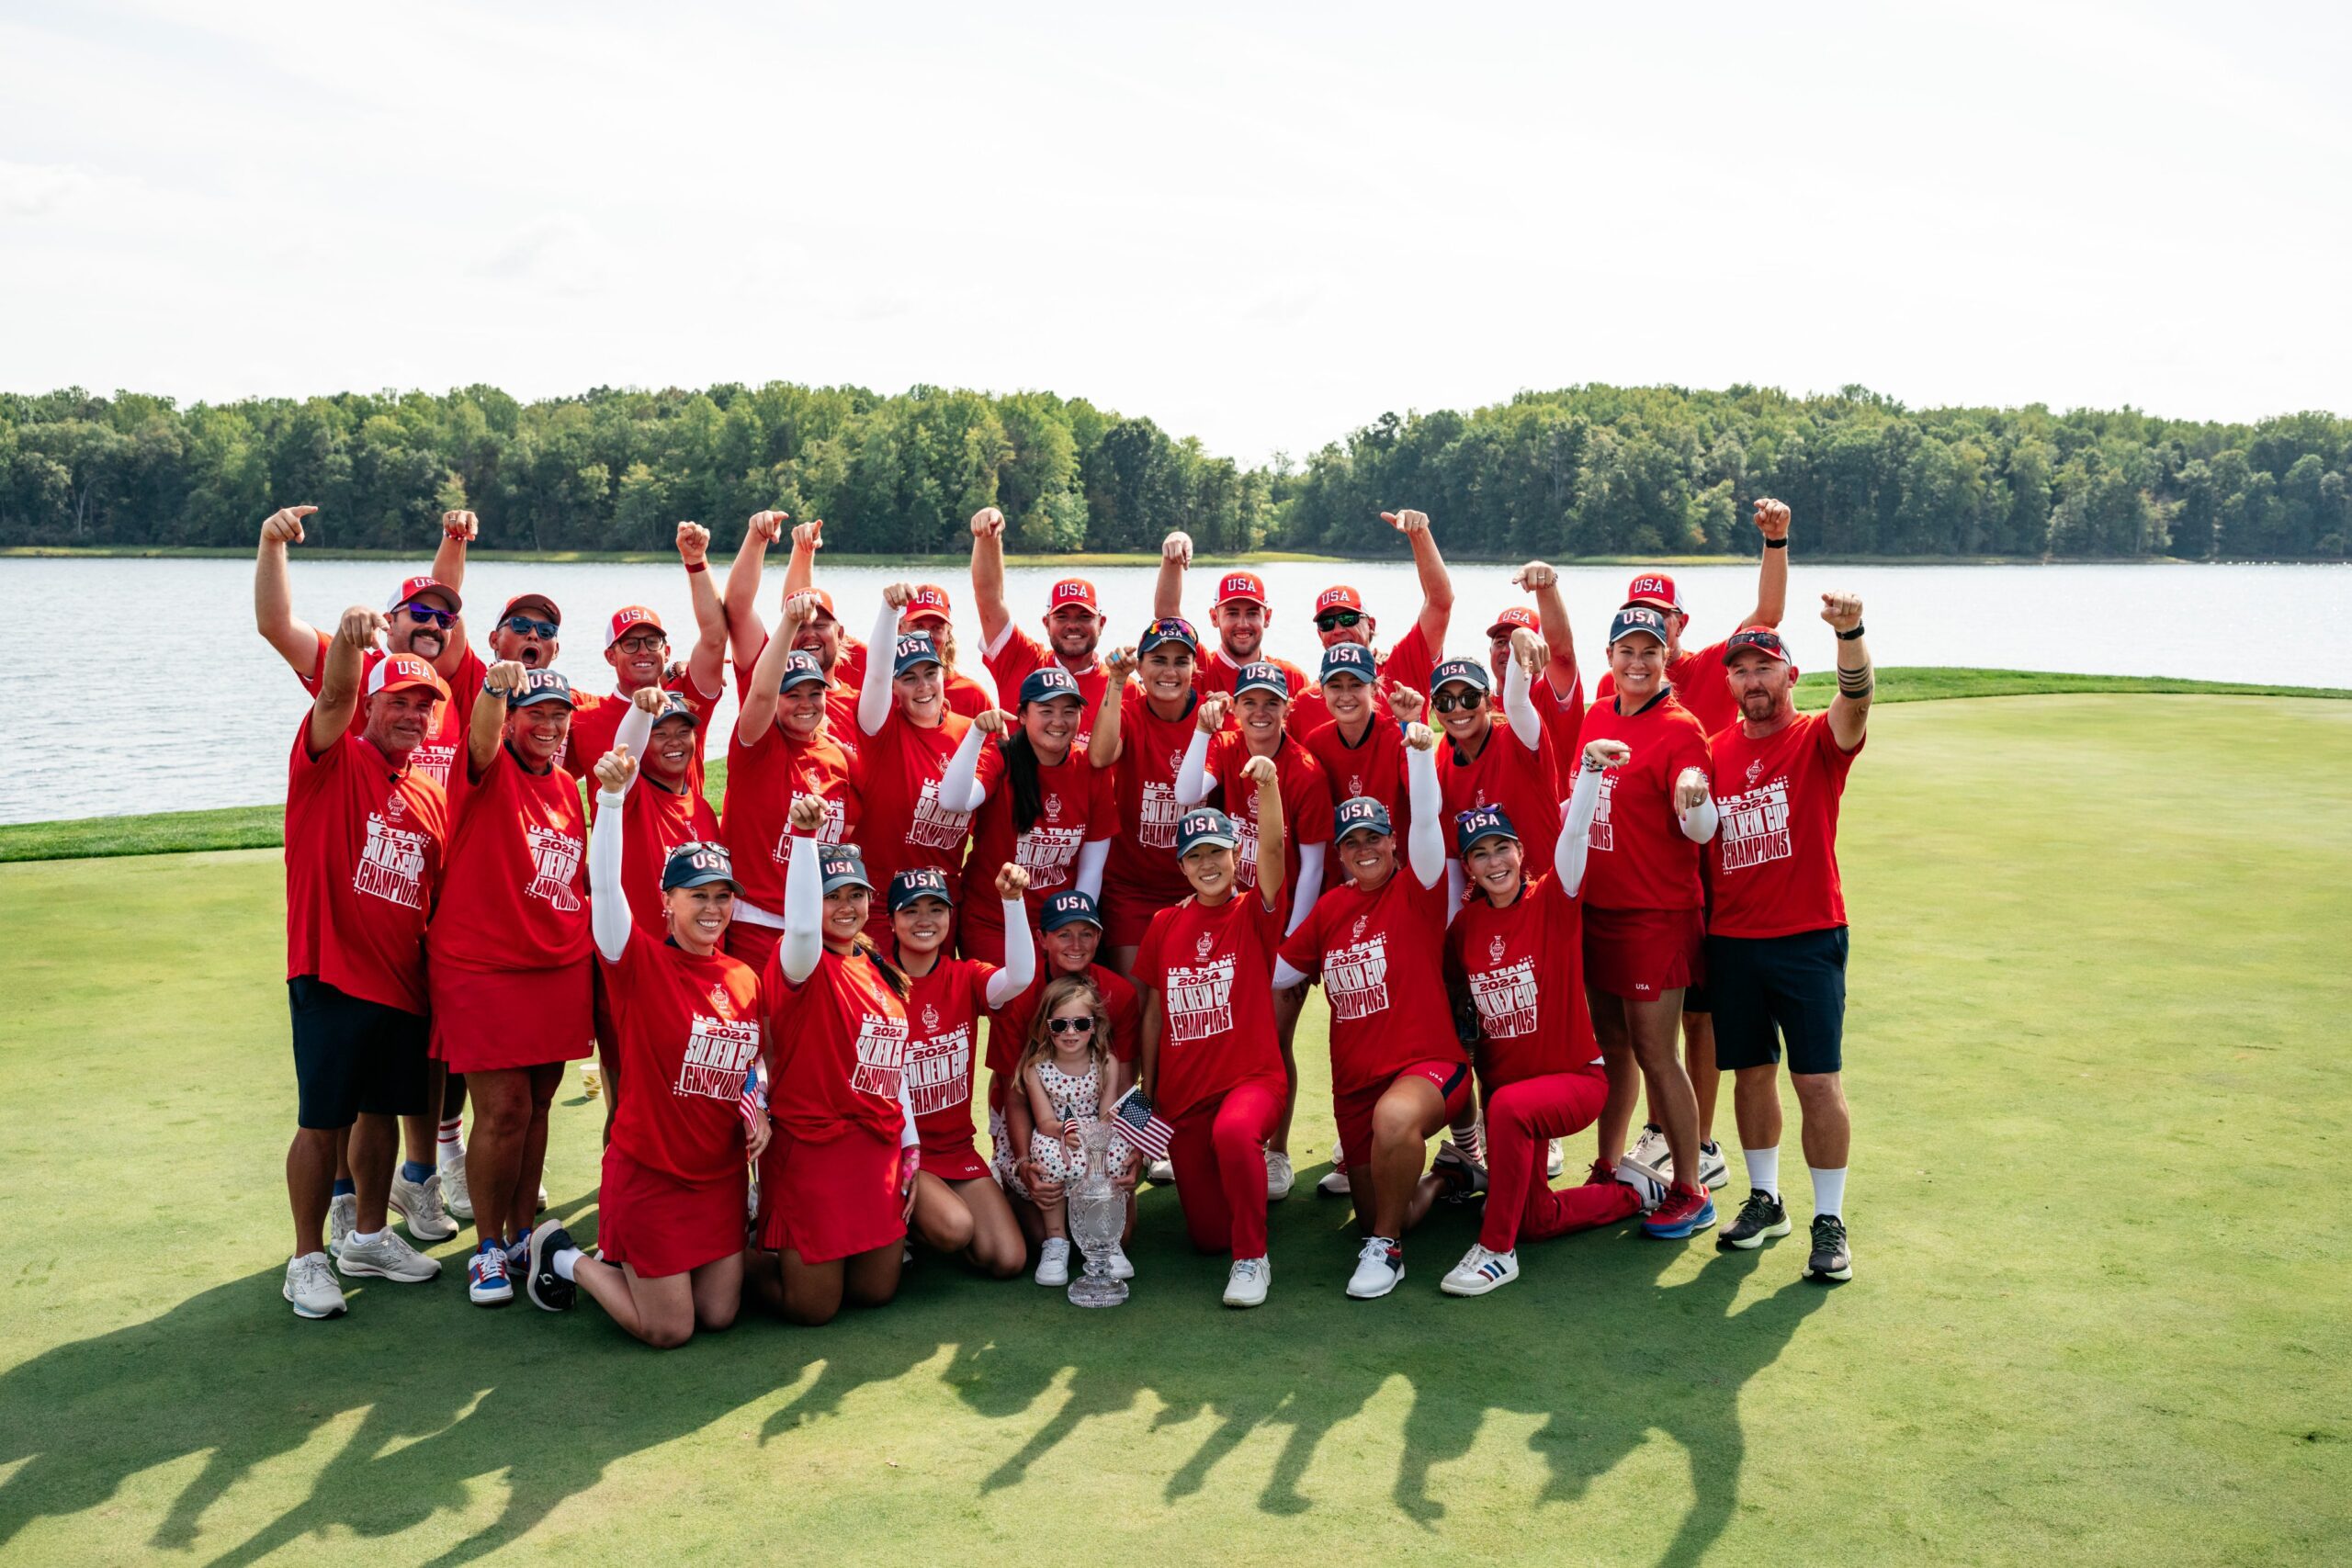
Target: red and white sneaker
<point>1686,1211</point>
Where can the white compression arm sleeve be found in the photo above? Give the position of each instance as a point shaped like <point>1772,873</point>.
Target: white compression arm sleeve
<point>1193,778</point>
<point>1425,839</point>
<point>873,696</point>
<point>803,943</point>
<point>608,916</point>
<point>1020,955</point>
<point>1576,833</point>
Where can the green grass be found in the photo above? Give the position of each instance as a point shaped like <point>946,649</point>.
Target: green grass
<point>2098,976</point>
<point>260,826</point>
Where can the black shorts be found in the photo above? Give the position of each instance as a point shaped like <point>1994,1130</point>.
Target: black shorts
<point>1767,990</point>
<point>352,1057</point>
<point>1696,998</point>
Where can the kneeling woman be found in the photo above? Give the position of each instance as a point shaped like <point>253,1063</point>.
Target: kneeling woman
<point>959,1208</point>
<point>837,1181</point>
<point>1518,947</point>
<point>1210,1062</point>
<point>686,1017</point>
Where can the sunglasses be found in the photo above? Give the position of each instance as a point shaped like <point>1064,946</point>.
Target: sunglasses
<point>1446,702</point>
<point>524,626</point>
<point>1070,1025</point>
<point>1337,619</point>
<point>429,616</point>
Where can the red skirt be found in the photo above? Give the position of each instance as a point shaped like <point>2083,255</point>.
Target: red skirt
<point>660,1225</point>
<point>962,1163</point>
<point>486,1019</point>
<point>831,1200</point>
<point>1641,954</point>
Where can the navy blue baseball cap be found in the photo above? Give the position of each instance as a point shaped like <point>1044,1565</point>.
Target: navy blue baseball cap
<point>675,706</point>
<point>1637,618</point>
<point>843,867</point>
<point>1205,827</point>
<point>1263,678</point>
<point>1350,658</point>
<point>542,686</point>
<point>1068,909</point>
<point>1486,822</point>
<point>1461,672</point>
<point>1168,628</point>
<point>696,863</point>
<point>917,882</point>
<point>802,670</point>
<point>913,649</point>
<point>1359,813</point>
<point>1045,685</point>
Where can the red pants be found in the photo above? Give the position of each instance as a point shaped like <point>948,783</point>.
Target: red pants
<point>1520,1205</point>
<point>1219,1153</point>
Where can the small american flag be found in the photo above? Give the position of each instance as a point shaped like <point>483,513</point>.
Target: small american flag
<point>1145,1131</point>
<point>755,1102</point>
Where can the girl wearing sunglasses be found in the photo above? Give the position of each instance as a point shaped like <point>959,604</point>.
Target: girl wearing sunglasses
<point>1067,1079</point>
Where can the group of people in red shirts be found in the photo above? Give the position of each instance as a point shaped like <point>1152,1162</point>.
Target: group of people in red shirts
<point>1128,875</point>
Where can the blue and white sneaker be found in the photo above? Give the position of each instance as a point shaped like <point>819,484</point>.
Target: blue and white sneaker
<point>1480,1272</point>
<point>1685,1212</point>
<point>487,1281</point>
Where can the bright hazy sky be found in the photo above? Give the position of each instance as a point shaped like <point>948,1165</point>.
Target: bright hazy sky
<point>1259,224</point>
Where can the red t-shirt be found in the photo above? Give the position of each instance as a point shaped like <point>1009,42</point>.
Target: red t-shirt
<point>1639,859</point>
<point>365,841</point>
<point>1009,1025</point>
<point>441,755</point>
<point>515,894</point>
<point>896,774</point>
<point>1151,752</point>
<point>1699,682</point>
<point>1020,655</point>
<point>1773,863</point>
<point>689,1028</point>
<point>1374,767</point>
<point>596,721</point>
<point>1563,718</point>
<point>965,695</point>
<point>1524,968</point>
<point>1508,774</point>
<point>841,704</point>
<point>1406,664</point>
<point>1381,959</point>
<point>1079,805</point>
<point>655,821</point>
<point>943,1012</point>
<point>1213,970</point>
<point>1215,674</point>
<point>837,1043</point>
<point>755,815</point>
<point>1306,806</point>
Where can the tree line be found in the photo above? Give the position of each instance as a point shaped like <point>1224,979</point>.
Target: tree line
<point>1587,470</point>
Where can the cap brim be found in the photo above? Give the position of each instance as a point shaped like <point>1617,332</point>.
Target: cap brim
<point>1215,841</point>
<point>537,699</point>
<point>440,693</point>
<point>805,677</point>
<point>846,879</point>
<point>1478,838</point>
<point>1378,830</point>
<point>1057,924</point>
<point>1667,606</point>
<point>702,879</point>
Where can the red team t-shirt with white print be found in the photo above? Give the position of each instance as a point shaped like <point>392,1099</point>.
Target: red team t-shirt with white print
<point>1509,773</point>
<point>1638,858</point>
<point>441,755</point>
<point>896,774</point>
<point>689,1030</point>
<point>1773,862</point>
<point>1406,664</point>
<point>943,1012</point>
<point>1215,674</point>
<point>1019,656</point>
<point>1143,855</point>
<point>755,815</point>
<point>596,721</point>
<point>516,893</point>
<point>365,841</point>
<point>964,694</point>
<point>1381,956</point>
<point>1373,767</point>
<point>1214,972</point>
<point>658,820</point>
<point>1699,682</point>
<point>1077,806</point>
<point>839,1040</point>
<point>1306,806</point>
<point>1524,967</point>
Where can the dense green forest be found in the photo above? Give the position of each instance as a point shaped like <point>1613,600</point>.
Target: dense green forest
<point>1585,472</point>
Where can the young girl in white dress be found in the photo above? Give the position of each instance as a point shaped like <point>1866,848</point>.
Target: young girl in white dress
<point>1066,1073</point>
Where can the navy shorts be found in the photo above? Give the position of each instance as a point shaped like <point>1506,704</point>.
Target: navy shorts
<point>1775,988</point>
<point>1696,998</point>
<point>354,1058</point>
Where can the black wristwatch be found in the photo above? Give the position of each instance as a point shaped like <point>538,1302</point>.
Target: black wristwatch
<point>1848,636</point>
<point>1779,544</point>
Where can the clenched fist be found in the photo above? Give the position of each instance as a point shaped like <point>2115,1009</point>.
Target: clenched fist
<point>1420,737</point>
<point>1771,518</point>
<point>1689,789</point>
<point>1176,548</point>
<point>1535,574</point>
<point>1120,664</point>
<point>899,595</point>
<point>460,525</point>
<point>614,769</point>
<point>799,609</point>
<point>284,526</point>
<point>988,523</point>
<point>694,542</point>
<point>504,679</point>
<point>650,699</point>
<point>807,813</point>
<point>1842,611</point>
<point>1012,882</point>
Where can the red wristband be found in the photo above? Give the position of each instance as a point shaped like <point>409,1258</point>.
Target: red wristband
<point>699,566</point>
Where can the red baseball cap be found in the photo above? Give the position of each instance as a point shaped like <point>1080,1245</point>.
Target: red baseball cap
<point>1655,588</point>
<point>928,599</point>
<point>824,600</point>
<point>1246,585</point>
<point>629,616</point>
<point>1763,639</point>
<point>416,585</point>
<point>1517,615</point>
<point>541,600</point>
<point>1072,590</point>
<point>1342,597</point>
<point>398,671</point>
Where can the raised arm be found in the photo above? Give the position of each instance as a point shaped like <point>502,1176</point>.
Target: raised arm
<point>1772,573</point>
<point>1528,655</point>
<point>763,690</point>
<point>459,529</point>
<point>296,640</point>
<point>1192,776</point>
<point>1092,856</point>
<point>1425,839</point>
<point>987,576</point>
<point>1437,586</point>
<point>742,598</point>
<point>1310,876</point>
<point>1552,614</point>
<point>1104,744</point>
<point>1260,774</point>
<point>338,700</point>
<point>636,728</point>
<point>959,784</point>
<point>873,697</point>
<point>608,916</point>
<point>1020,946</point>
<point>1168,592</point>
<point>800,571</point>
<point>1849,710</point>
<point>1575,842</point>
<point>803,943</point>
<point>486,728</point>
<point>707,660</point>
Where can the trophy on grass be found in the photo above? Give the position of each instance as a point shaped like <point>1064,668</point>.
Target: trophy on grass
<point>1098,1212</point>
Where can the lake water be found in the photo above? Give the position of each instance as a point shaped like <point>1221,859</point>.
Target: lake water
<point>151,692</point>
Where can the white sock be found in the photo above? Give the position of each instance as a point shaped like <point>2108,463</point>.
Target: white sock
<point>1466,1137</point>
<point>1764,1170</point>
<point>564,1262</point>
<point>1828,1192</point>
<point>447,1144</point>
<point>368,1238</point>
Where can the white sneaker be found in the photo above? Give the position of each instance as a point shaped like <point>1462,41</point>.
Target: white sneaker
<point>309,1285</point>
<point>1334,1184</point>
<point>1279,1178</point>
<point>1480,1272</point>
<point>343,1218</point>
<point>1649,1152</point>
<point>1652,1187</point>
<point>1555,1161</point>
<point>1712,1171</point>
<point>419,1203</point>
<point>1246,1286</point>
<point>543,1200</point>
<point>1380,1267</point>
<point>1115,1264</point>
<point>455,1195</point>
<point>1053,1262</point>
<point>386,1257</point>
<point>1160,1173</point>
